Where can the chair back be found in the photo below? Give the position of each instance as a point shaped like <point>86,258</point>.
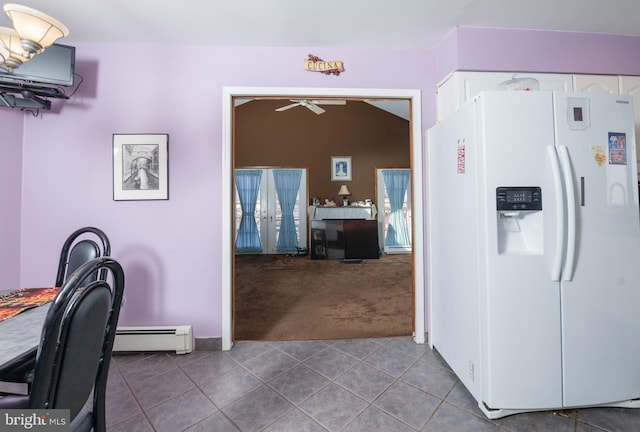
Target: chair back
<point>76,251</point>
<point>76,344</point>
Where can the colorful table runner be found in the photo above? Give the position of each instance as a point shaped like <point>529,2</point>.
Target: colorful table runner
<point>14,302</point>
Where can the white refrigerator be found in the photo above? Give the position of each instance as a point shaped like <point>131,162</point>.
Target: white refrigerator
<point>534,250</point>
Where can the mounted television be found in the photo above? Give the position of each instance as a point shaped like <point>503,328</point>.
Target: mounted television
<point>55,66</point>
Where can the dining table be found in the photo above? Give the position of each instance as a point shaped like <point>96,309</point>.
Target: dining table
<point>20,334</point>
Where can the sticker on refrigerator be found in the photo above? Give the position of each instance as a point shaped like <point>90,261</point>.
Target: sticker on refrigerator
<point>617,148</point>
<point>461,157</point>
<point>599,154</point>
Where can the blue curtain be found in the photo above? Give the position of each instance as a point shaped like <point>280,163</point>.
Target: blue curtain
<point>287,182</point>
<point>248,186</point>
<point>396,182</point>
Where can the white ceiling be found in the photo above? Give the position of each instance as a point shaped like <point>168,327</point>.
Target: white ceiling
<point>325,23</point>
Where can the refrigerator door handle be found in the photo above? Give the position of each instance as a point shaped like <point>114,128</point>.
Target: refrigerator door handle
<point>567,273</point>
<point>556,266</point>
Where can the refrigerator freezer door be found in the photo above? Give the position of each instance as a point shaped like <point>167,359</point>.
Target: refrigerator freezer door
<point>600,316</point>
<point>519,319</point>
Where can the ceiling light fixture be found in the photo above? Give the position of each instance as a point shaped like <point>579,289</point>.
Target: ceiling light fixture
<point>33,31</point>
<point>12,45</point>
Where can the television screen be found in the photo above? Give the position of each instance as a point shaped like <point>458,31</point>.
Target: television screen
<point>55,65</point>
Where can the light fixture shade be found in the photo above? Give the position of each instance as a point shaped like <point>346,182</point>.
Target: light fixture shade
<point>4,53</point>
<point>36,29</point>
<point>13,46</point>
<point>344,191</point>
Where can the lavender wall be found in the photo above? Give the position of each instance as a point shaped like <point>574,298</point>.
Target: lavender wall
<point>11,124</point>
<point>538,51</point>
<point>170,249</point>
<point>446,55</point>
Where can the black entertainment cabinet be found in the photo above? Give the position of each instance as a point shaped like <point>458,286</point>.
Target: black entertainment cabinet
<point>344,239</point>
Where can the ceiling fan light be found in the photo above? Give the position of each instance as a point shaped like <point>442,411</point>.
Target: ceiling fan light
<point>4,53</point>
<point>36,29</point>
<point>11,63</point>
<point>11,43</point>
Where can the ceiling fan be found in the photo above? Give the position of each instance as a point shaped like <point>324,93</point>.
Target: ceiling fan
<point>312,104</point>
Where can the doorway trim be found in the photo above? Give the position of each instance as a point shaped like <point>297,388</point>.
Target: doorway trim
<point>228,93</point>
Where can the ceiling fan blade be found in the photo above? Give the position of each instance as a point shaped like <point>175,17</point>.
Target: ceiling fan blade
<point>312,105</point>
<point>284,108</point>
<point>315,108</point>
<point>329,102</point>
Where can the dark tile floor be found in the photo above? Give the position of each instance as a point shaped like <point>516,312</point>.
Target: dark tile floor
<point>368,385</point>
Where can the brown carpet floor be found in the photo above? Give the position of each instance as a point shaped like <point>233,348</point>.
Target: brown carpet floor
<point>280,298</point>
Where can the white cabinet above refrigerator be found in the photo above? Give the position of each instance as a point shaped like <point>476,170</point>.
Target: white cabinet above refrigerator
<point>459,87</point>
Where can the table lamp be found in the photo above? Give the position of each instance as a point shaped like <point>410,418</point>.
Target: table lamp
<point>344,192</point>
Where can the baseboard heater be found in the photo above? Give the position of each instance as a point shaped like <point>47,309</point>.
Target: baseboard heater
<point>155,338</point>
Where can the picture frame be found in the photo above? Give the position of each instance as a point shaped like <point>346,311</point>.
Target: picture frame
<point>140,167</point>
<point>341,169</point>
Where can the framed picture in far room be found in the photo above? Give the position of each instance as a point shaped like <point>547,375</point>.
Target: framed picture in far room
<point>341,169</point>
<point>140,167</point>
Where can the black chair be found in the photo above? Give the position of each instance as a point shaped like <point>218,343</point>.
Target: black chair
<point>78,249</point>
<point>74,353</point>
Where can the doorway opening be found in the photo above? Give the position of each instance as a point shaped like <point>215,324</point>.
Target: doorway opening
<point>229,93</point>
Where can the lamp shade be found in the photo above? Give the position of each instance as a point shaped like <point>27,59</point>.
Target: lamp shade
<point>36,29</point>
<point>4,53</point>
<point>10,41</point>
<point>344,190</point>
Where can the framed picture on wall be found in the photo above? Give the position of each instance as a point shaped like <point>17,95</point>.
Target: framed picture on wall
<point>341,168</point>
<point>140,167</point>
